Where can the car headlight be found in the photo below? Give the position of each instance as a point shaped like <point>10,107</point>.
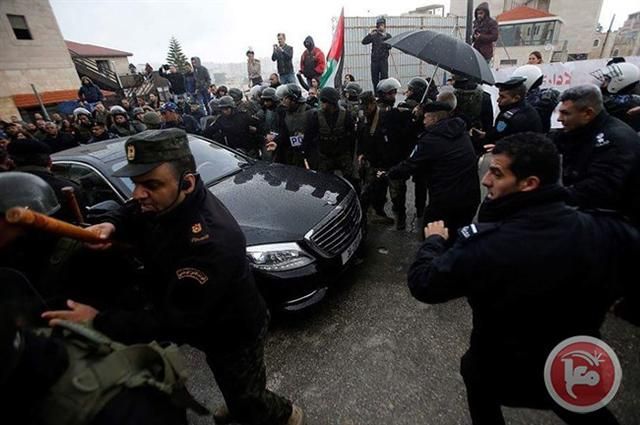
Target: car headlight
<point>278,256</point>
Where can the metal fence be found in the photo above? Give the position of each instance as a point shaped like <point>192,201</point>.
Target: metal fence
<point>357,57</point>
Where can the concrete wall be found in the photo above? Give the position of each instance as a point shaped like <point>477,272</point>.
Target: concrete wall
<point>43,61</point>
<point>596,52</point>
<point>580,21</point>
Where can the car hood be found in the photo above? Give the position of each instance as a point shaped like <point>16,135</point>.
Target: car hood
<point>279,203</point>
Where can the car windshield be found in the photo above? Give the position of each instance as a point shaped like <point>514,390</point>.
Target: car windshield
<point>213,162</point>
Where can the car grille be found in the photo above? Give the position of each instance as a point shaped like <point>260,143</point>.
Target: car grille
<point>336,231</point>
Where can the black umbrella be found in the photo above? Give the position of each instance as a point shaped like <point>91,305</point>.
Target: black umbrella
<point>444,52</point>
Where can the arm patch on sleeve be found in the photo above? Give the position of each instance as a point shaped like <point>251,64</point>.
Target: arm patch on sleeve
<point>192,273</point>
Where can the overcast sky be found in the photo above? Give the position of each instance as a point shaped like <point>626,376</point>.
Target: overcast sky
<point>221,31</point>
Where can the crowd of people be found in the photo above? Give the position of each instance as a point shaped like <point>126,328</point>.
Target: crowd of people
<point>570,196</point>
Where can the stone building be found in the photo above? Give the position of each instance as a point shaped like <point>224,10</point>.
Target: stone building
<point>33,52</point>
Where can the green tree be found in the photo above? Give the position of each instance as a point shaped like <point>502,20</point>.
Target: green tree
<point>176,56</point>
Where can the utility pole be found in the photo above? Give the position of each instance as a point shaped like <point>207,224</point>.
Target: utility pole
<point>42,107</point>
<point>469,29</point>
<point>606,37</point>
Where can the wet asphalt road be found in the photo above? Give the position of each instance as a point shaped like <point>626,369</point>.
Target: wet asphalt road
<point>371,354</point>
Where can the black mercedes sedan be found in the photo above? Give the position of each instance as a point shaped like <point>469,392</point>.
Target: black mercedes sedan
<point>302,227</point>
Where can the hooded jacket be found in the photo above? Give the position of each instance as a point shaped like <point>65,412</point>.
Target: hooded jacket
<point>201,75</point>
<point>485,32</point>
<point>90,92</point>
<point>312,62</point>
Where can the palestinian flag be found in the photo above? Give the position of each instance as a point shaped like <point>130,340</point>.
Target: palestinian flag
<point>332,75</point>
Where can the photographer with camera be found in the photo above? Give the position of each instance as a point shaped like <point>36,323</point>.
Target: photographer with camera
<point>379,51</point>
<point>176,79</point>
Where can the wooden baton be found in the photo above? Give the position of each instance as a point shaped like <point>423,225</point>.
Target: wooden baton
<point>26,217</point>
<point>72,203</point>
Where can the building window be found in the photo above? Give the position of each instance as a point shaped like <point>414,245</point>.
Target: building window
<point>534,34</point>
<point>577,57</point>
<point>20,27</point>
<point>103,66</point>
<point>509,62</point>
<point>596,42</point>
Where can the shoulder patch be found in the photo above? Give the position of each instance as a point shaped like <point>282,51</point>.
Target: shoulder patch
<point>601,140</point>
<point>474,230</point>
<point>501,126</point>
<point>192,273</point>
<point>468,231</point>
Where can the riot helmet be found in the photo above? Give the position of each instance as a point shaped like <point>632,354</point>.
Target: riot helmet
<point>34,194</point>
<point>532,73</point>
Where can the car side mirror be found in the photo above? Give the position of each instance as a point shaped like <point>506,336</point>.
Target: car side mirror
<point>103,207</point>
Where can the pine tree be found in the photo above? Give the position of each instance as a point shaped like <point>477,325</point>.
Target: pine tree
<point>175,55</point>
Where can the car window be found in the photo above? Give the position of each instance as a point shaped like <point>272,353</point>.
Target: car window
<point>93,185</point>
<point>212,161</point>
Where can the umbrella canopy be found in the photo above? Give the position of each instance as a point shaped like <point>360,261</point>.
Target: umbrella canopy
<point>445,52</point>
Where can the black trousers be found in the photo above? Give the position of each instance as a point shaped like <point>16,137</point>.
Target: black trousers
<point>374,190</point>
<point>379,71</point>
<point>241,377</point>
<point>491,386</point>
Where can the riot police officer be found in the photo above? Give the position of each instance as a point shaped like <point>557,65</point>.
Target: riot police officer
<point>202,289</point>
<point>351,97</point>
<point>373,157</point>
<point>269,123</point>
<point>386,90</point>
<point>400,131</point>
<point>234,128</point>
<point>543,100</point>
<point>293,116</point>
<point>620,83</point>
<point>330,135</point>
<point>414,93</point>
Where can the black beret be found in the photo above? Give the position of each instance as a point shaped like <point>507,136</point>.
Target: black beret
<point>436,107</point>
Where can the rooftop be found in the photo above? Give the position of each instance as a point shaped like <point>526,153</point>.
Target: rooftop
<point>522,13</point>
<point>90,50</point>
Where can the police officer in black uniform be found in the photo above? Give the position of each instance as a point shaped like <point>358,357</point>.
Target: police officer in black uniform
<point>446,162</point>
<point>373,157</point>
<point>600,154</point>
<point>601,166</point>
<point>516,115</point>
<point>564,290</point>
<point>200,283</point>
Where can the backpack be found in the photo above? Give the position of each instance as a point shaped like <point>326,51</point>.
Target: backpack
<point>99,369</point>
